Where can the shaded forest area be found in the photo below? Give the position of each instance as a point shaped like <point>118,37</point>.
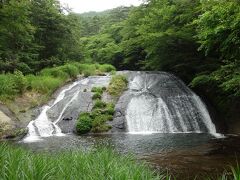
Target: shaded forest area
<point>197,40</point>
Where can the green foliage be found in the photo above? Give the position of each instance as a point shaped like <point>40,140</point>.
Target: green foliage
<point>117,85</point>
<point>44,84</point>
<point>107,68</point>
<point>56,72</point>
<point>17,44</point>
<point>228,78</point>
<point>97,96</point>
<point>99,104</point>
<point>101,113</point>
<point>84,123</point>
<point>8,86</point>
<point>218,28</point>
<point>20,82</point>
<point>101,163</point>
<point>70,69</point>
<point>88,69</point>
<point>97,90</point>
<point>12,85</point>
<point>99,123</point>
<point>110,109</point>
<point>200,80</point>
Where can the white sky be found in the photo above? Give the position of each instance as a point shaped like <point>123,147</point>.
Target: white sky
<point>80,6</point>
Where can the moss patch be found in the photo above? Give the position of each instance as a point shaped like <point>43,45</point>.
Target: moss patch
<point>117,85</point>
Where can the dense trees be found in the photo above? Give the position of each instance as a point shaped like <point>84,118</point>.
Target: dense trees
<point>194,39</point>
<point>197,40</point>
<point>35,34</point>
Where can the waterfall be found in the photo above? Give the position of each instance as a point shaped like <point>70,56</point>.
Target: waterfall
<point>71,101</point>
<point>162,103</point>
<point>42,126</point>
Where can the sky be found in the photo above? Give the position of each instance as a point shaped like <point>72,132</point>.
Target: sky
<point>80,6</point>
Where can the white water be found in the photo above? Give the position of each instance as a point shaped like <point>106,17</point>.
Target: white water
<point>42,126</point>
<point>161,103</point>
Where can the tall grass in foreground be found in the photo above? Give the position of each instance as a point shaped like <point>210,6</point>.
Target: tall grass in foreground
<point>100,164</point>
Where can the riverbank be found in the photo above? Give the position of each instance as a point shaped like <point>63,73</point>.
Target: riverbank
<point>95,163</point>
<point>100,163</point>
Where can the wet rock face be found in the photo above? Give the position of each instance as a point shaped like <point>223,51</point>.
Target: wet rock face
<point>160,102</point>
<point>119,122</point>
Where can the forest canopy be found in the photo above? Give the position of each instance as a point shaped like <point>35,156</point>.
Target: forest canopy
<point>197,40</point>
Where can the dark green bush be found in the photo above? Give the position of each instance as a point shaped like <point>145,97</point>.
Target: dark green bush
<point>96,96</point>
<point>23,67</point>
<point>200,80</point>
<point>84,123</point>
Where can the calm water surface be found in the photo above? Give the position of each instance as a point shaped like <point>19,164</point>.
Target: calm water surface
<point>184,155</point>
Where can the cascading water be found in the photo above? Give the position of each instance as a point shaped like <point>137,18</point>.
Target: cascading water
<point>42,126</point>
<point>162,103</point>
<point>69,103</point>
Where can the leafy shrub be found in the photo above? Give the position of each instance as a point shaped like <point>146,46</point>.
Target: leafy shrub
<point>84,123</point>
<point>96,112</point>
<point>101,128</point>
<point>55,72</point>
<point>23,67</point>
<point>96,96</point>
<point>110,109</point>
<point>89,70</point>
<point>97,90</point>
<point>99,124</point>
<point>232,85</point>
<point>117,85</point>
<point>200,80</point>
<point>83,68</point>
<point>7,86</point>
<point>20,81</point>
<point>12,84</point>
<point>44,84</point>
<point>99,104</point>
<point>70,69</point>
<point>107,68</point>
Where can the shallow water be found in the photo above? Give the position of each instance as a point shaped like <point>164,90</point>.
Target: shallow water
<point>184,155</point>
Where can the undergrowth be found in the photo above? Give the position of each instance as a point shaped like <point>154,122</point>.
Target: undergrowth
<point>47,80</point>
